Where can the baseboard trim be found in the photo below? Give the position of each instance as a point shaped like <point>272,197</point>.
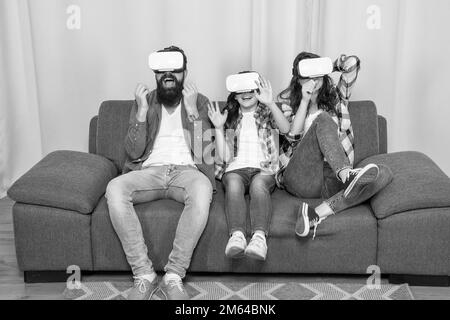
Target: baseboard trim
<point>45,276</point>
<point>420,281</point>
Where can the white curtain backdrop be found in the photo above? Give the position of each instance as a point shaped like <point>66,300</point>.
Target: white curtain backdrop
<point>54,78</point>
<point>20,134</point>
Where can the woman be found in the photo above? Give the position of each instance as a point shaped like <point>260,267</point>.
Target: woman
<point>317,154</point>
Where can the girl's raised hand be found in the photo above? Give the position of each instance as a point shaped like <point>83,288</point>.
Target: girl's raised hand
<point>265,95</point>
<point>217,118</point>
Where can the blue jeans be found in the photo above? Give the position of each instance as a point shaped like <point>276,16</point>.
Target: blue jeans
<point>260,187</point>
<point>308,176</point>
<point>184,184</point>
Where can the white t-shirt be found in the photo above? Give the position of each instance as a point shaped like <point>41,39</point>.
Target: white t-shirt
<point>170,145</point>
<point>250,153</point>
<point>310,118</point>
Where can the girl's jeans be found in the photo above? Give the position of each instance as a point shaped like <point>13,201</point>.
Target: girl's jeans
<point>308,176</point>
<point>260,187</point>
<point>184,184</point>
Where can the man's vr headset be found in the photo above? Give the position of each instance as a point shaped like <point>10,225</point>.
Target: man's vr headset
<point>169,61</point>
<point>243,82</point>
<point>315,68</point>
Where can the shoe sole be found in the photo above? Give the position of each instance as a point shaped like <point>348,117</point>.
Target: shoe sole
<point>235,253</point>
<point>361,179</point>
<point>305,222</point>
<point>255,256</point>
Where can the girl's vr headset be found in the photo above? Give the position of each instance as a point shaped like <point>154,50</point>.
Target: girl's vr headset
<point>169,61</point>
<point>315,68</point>
<point>243,82</point>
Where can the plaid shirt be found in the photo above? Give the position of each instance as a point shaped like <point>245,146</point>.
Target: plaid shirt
<point>268,139</point>
<point>350,69</point>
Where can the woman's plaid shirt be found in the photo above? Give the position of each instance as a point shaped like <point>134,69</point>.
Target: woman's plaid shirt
<point>349,66</point>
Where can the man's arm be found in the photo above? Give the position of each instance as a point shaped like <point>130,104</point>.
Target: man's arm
<point>349,66</point>
<point>136,139</point>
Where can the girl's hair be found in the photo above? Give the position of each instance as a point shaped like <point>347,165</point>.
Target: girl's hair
<point>233,108</point>
<point>327,98</point>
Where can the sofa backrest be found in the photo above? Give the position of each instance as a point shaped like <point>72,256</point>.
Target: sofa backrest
<point>108,130</point>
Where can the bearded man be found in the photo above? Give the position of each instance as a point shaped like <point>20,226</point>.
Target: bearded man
<point>162,163</point>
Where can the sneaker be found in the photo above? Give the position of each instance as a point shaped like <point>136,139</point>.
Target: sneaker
<point>307,218</point>
<point>357,179</point>
<point>143,288</point>
<point>236,245</point>
<point>257,248</point>
<point>172,287</point>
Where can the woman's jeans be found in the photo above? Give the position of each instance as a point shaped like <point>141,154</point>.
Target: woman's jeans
<point>308,176</point>
<point>184,184</point>
<point>260,187</point>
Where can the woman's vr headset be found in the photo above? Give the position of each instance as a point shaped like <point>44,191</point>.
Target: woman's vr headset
<point>169,61</point>
<point>243,82</point>
<point>315,68</point>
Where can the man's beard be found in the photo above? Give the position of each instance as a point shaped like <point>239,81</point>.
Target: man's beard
<point>169,96</point>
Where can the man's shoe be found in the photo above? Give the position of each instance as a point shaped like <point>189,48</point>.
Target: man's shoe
<point>172,288</point>
<point>307,218</point>
<point>236,245</point>
<point>143,289</point>
<point>257,248</point>
<point>357,179</point>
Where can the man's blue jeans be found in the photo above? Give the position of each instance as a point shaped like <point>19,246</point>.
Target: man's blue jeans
<point>184,184</point>
<point>308,176</point>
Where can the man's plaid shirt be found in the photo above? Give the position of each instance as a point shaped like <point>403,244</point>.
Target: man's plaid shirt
<point>350,69</point>
<point>268,135</point>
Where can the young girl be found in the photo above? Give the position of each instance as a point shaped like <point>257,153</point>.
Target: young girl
<point>317,155</point>
<point>250,165</point>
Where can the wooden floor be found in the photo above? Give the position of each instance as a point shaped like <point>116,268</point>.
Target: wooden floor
<point>13,287</point>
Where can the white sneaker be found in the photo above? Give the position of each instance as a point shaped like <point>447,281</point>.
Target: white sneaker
<point>257,248</point>
<point>236,245</point>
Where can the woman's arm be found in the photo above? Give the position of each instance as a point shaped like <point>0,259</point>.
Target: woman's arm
<point>298,125</point>
<point>349,66</point>
<point>218,119</point>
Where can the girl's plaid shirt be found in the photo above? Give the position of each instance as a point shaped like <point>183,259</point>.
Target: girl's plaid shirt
<point>268,135</point>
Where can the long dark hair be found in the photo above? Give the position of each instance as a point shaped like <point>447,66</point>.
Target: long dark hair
<point>327,98</point>
<point>233,108</point>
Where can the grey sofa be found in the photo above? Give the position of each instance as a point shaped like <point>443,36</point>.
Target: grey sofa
<point>61,217</point>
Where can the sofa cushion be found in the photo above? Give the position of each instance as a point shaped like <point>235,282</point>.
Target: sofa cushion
<point>66,180</point>
<point>418,183</point>
<point>363,115</point>
<point>112,127</point>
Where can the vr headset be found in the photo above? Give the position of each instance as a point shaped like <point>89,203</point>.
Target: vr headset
<point>315,68</point>
<point>171,61</point>
<point>244,82</point>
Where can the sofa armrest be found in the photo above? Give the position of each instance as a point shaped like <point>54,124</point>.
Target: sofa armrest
<point>66,180</point>
<point>418,183</point>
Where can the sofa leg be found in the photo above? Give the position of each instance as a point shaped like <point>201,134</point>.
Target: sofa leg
<point>420,281</point>
<point>45,276</point>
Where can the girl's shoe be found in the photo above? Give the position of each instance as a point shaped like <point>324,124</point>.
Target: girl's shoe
<point>236,246</point>
<point>257,248</point>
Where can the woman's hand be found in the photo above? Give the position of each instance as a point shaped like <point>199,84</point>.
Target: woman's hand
<point>308,90</point>
<point>265,95</point>
<point>217,118</point>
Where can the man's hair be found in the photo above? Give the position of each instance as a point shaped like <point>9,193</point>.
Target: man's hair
<point>176,49</point>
